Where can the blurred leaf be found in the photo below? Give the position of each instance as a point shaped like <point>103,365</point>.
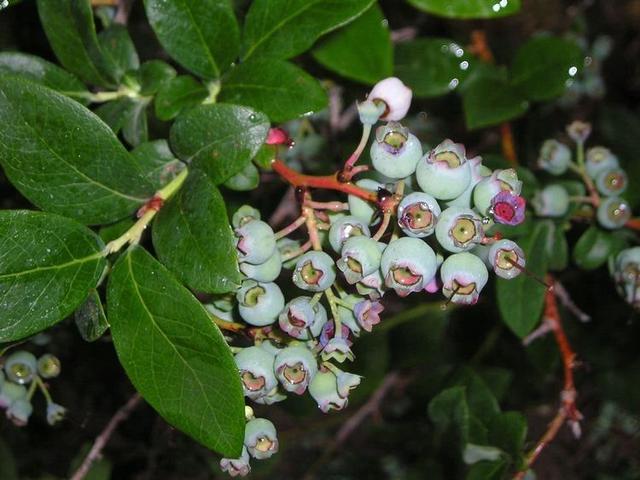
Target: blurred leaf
<point>450,413</point>
<point>157,162</point>
<point>116,44</point>
<point>247,179</point>
<point>557,247</point>
<point>521,299</point>
<point>91,319</point>
<point>489,99</point>
<point>115,113</point>
<point>487,470</point>
<point>361,51</point>
<point>221,139</point>
<point>543,66</point>
<point>480,400</point>
<point>594,247</point>
<point>468,8</point>
<point>285,28</point>
<point>62,158</point>
<point>192,237</point>
<point>476,453</point>
<point>48,265</point>
<point>278,88</point>
<point>8,469</point>
<point>135,129</point>
<point>153,74</point>
<point>40,71</point>
<point>497,379</point>
<point>177,95</point>
<point>508,431</point>
<point>173,353</point>
<point>72,35</point>
<point>432,66</point>
<point>202,36</point>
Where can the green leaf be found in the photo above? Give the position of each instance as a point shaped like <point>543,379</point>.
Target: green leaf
<point>157,162</point>
<point>173,353</point>
<point>192,237</point>
<point>63,158</point>
<point>40,71</point>
<point>202,36</point>
<point>178,94</point>
<point>489,99</point>
<point>116,112</point>
<point>480,400</point>
<point>557,247</point>
<point>153,74</point>
<point>8,469</point>
<point>594,247</point>
<point>278,88</point>
<point>361,51</point>
<point>116,44</point>
<point>110,232</point>
<point>285,28</point>
<point>508,432</point>
<point>135,129</point>
<point>487,470</point>
<point>544,65</point>
<point>468,8</point>
<point>521,299</point>
<point>247,179</point>
<point>450,413</point>
<point>48,265</point>
<point>91,319</point>
<point>72,34</point>
<point>221,139</point>
<point>432,66</point>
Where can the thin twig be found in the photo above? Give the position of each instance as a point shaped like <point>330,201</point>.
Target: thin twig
<point>101,440</point>
<point>568,303</point>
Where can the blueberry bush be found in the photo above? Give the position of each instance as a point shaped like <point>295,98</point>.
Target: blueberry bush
<point>319,239</point>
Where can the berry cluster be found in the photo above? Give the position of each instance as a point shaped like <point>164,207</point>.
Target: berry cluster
<point>600,170</point>
<point>420,221</point>
<point>21,370</point>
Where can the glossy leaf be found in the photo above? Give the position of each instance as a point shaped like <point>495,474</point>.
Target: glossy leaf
<point>153,74</point>
<point>432,66</point>
<point>544,65</point>
<point>285,28</point>
<point>278,88</point>
<point>489,99</point>
<point>135,129</point>
<point>468,8</point>
<point>174,354</point>
<point>72,35</point>
<point>361,51</point>
<point>521,299</point>
<point>116,112</point>
<point>91,319</point>
<point>202,36</point>
<point>594,247</point>
<point>40,71</point>
<point>63,158</point>
<point>48,265</point>
<point>192,237</point>
<point>116,43</point>
<point>449,412</point>
<point>508,431</point>
<point>157,162</point>
<point>178,94</point>
<point>220,139</point>
<point>247,179</point>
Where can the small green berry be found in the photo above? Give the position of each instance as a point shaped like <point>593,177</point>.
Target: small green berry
<point>613,212</point>
<point>444,172</point>
<point>395,152</point>
<point>259,303</point>
<point>551,201</point>
<point>360,208</point>
<point>255,366</point>
<point>315,272</point>
<point>21,367</point>
<point>260,438</point>
<point>49,366</point>
<point>463,277</point>
<point>459,229</point>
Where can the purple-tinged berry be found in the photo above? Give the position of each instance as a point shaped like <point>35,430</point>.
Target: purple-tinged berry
<point>256,242</point>
<point>324,390</point>
<point>395,95</point>
<point>613,212</point>
<point>360,257</point>
<point>260,438</point>
<point>367,313</point>
<point>295,368</point>
<point>21,367</point>
<point>19,412</point>
<point>408,265</point>
<point>506,258</point>
<point>463,277</point>
<point>395,152</point>
<point>255,366</point>
<point>555,157</point>
<point>315,272</point>
<point>508,208</point>
<point>237,467</point>
<point>579,131</point>
<point>417,214</point>
<point>551,201</point>
<point>489,187</point>
<point>459,229</point>
<point>444,172</point>
<point>259,303</point>
<point>338,349</point>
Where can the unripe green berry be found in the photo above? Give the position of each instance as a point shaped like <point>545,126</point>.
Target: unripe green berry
<point>360,208</point>
<point>244,215</point>
<point>444,172</point>
<point>395,152</point>
<point>506,258</point>
<point>19,412</point>
<point>489,187</point>
<point>599,159</point>
<point>315,272</point>
<point>612,181</point>
<point>324,390</point>
<point>259,303</point>
<point>555,157</point>
<point>264,272</point>
<point>408,265</point>
<point>21,367</point>
<point>295,368</point>
<point>418,214</point>
<point>360,257</point>
<point>11,392</point>
<point>463,277</point>
<point>255,366</point>
<point>49,366</point>
<point>613,212</point>
<point>260,438</point>
<point>344,228</point>
<point>551,201</point>
<point>256,242</point>
<point>459,229</point>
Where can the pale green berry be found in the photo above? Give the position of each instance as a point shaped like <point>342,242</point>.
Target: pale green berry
<point>408,265</point>
<point>360,257</point>
<point>260,438</point>
<point>555,157</point>
<point>49,366</point>
<point>506,258</point>
<point>259,303</point>
<point>299,318</point>
<point>359,208</point>
<point>395,152</point>
<point>489,187</point>
<point>21,367</point>
<point>11,392</point>
<point>599,159</point>
<point>612,181</point>
<point>315,272</point>
<point>444,172</point>
<point>244,215</point>
<point>463,277</point>
<point>459,229</point>
<point>295,368</point>
<point>417,214</point>
<point>255,366</point>
<point>256,242</point>
<point>551,201</point>
<point>55,413</point>
<point>613,212</point>
<point>478,172</point>
<point>237,467</point>
<point>19,412</point>
<point>264,272</point>
<point>324,390</point>
<point>344,228</point>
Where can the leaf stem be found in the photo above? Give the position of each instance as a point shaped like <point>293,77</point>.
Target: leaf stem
<point>148,212</point>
